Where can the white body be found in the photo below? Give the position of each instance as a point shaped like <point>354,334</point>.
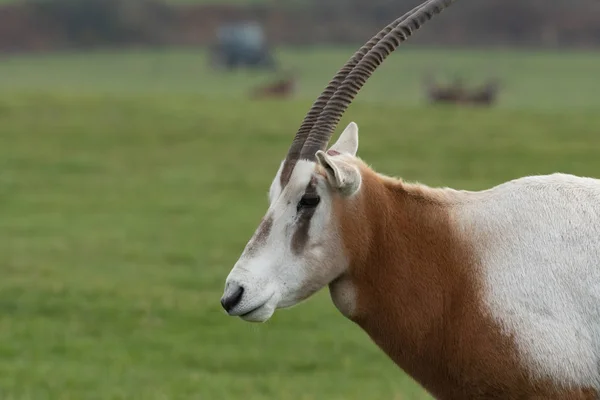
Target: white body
<point>539,242</point>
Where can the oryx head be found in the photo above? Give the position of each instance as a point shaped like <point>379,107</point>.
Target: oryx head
<point>297,248</point>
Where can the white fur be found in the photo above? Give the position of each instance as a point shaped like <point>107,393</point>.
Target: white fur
<point>344,296</point>
<point>275,188</point>
<point>272,275</point>
<point>343,176</point>
<point>348,141</point>
<point>538,239</point>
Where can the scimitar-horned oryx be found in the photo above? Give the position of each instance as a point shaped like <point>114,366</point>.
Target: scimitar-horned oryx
<point>491,294</point>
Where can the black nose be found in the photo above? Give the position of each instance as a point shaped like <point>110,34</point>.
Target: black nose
<point>232,297</point>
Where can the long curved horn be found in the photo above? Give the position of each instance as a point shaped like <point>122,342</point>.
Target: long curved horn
<point>315,111</point>
<point>326,123</point>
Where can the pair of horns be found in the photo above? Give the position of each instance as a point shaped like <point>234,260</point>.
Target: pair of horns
<point>322,118</point>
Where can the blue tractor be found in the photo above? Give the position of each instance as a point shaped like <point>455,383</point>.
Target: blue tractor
<point>241,45</point>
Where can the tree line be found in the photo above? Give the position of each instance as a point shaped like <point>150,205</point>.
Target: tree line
<point>67,24</point>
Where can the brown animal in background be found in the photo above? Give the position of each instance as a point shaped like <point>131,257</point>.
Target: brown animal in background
<point>451,93</point>
<point>281,88</point>
<point>485,95</point>
<point>457,93</point>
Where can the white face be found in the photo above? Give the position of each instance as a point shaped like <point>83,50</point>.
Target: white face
<point>297,248</point>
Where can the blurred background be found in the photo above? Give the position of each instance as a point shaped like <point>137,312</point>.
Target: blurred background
<point>138,140</point>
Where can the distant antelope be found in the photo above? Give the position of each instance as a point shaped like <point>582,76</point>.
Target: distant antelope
<point>457,93</point>
<point>485,95</point>
<point>452,93</point>
<point>491,294</point>
<point>284,87</point>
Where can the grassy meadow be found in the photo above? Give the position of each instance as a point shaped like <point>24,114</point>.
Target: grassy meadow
<point>130,183</point>
<point>530,79</point>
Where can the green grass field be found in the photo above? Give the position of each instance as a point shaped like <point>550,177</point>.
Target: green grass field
<point>530,79</point>
<point>129,185</point>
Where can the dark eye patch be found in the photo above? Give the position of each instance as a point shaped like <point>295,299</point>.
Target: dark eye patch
<point>306,208</point>
<point>308,200</point>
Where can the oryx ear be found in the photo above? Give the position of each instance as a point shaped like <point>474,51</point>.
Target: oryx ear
<point>342,176</point>
<point>347,142</point>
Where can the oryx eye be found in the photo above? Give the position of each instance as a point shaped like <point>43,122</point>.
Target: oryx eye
<point>308,200</point>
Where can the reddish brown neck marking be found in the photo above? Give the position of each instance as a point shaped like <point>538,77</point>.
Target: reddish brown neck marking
<point>418,297</point>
